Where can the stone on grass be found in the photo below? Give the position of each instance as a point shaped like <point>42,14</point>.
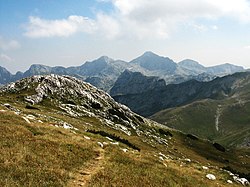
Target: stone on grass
<point>205,167</point>
<point>210,176</point>
<point>87,138</point>
<point>125,150</point>
<point>99,143</point>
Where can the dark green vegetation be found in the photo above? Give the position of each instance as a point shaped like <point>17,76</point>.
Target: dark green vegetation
<point>48,144</point>
<point>115,137</point>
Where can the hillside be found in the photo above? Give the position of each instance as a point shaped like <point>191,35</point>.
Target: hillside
<point>60,131</point>
<point>226,122</point>
<point>223,103</point>
<point>223,117</point>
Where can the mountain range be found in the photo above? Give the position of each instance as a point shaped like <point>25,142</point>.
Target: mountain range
<point>61,131</point>
<point>157,87</point>
<point>104,71</point>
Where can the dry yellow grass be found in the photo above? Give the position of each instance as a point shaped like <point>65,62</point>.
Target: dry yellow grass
<point>40,154</point>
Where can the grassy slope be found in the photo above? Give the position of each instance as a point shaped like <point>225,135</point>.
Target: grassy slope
<point>199,118</point>
<point>40,154</point>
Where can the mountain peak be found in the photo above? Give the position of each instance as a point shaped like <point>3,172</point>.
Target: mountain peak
<point>152,62</point>
<point>105,59</point>
<point>149,53</point>
<point>192,65</point>
<point>189,62</point>
<point>225,69</point>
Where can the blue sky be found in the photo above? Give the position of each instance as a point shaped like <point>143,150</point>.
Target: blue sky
<point>70,32</point>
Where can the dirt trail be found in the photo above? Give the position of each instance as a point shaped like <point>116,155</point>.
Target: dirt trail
<point>83,176</point>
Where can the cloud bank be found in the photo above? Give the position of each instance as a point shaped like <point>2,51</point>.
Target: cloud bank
<point>142,18</point>
<point>38,27</point>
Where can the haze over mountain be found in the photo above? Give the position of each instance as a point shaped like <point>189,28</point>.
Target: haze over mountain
<point>104,71</point>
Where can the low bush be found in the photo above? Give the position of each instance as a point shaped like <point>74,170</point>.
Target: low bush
<point>115,137</point>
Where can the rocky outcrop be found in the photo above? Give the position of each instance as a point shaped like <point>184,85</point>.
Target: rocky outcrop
<point>76,98</point>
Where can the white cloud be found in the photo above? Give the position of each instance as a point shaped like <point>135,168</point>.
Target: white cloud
<point>8,44</point>
<point>108,26</point>
<point>247,47</point>
<point>214,27</point>
<point>164,14</point>
<point>142,18</point>
<point>5,58</point>
<point>148,10</point>
<point>38,27</point>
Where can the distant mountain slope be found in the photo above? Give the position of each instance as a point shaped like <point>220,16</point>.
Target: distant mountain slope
<point>192,66</point>
<point>218,70</point>
<point>224,69</point>
<point>153,62</point>
<point>5,75</point>
<point>104,71</point>
<point>134,83</point>
<point>168,96</point>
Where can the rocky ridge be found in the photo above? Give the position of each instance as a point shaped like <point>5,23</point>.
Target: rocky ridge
<point>77,98</point>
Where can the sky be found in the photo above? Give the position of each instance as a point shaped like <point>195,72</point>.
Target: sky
<point>70,32</point>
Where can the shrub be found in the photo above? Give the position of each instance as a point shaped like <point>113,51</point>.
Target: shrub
<point>219,147</point>
<point>115,137</point>
<point>167,133</point>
